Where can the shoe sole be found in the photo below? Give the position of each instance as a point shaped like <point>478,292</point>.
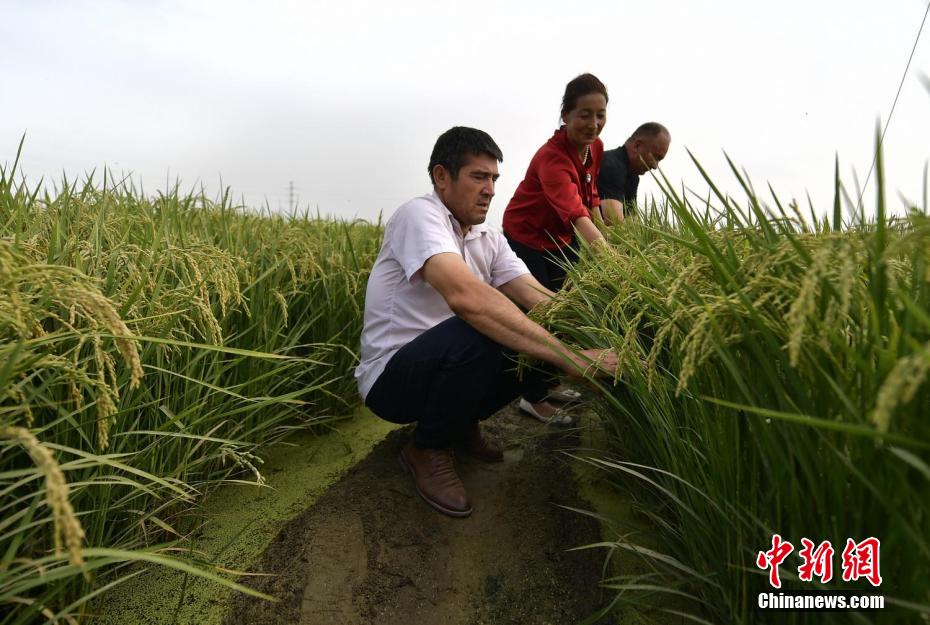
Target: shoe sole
<point>459,514</point>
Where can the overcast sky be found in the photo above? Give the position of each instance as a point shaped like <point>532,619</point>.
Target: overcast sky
<point>345,98</point>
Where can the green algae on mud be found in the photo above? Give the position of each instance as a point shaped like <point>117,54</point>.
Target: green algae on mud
<point>620,523</point>
<point>238,523</point>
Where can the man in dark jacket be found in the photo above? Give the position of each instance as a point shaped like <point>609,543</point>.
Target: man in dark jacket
<point>622,167</point>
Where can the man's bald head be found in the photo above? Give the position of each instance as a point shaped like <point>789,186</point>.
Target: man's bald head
<point>647,146</point>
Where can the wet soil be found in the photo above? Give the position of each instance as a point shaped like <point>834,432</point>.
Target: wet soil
<point>371,551</point>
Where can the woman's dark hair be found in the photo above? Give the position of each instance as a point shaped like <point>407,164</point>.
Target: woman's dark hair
<point>581,86</point>
<point>454,145</point>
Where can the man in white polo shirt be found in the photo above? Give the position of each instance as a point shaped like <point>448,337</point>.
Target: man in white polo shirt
<point>441,326</point>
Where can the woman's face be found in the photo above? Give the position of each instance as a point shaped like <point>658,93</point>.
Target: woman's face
<point>585,122</point>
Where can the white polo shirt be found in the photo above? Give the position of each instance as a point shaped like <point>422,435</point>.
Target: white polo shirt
<point>399,304</point>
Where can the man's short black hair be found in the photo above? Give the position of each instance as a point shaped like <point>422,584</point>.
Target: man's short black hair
<point>456,144</point>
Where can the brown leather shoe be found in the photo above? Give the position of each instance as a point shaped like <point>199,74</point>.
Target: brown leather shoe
<point>435,479</point>
<point>477,445</point>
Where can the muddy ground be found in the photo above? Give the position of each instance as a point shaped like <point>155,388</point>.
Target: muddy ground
<point>370,551</point>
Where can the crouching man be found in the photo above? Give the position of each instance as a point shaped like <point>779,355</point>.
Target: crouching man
<point>441,327</point>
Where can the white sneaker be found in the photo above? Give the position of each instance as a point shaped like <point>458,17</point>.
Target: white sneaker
<point>559,417</point>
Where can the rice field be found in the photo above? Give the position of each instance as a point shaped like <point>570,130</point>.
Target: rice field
<point>775,380</point>
<point>149,346</point>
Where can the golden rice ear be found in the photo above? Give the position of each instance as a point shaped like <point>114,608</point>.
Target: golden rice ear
<point>805,305</point>
<point>67,527</point>
<point>96,306</point>
<point>900,386</point>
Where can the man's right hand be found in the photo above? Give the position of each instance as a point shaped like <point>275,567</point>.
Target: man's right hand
<point>490,312</point>
<point>597,363</point>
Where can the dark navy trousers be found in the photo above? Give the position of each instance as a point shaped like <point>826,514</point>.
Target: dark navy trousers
<point>446,380</point>
<point>548,267</point>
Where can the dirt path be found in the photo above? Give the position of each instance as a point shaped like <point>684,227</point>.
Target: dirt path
<point>370,551</point>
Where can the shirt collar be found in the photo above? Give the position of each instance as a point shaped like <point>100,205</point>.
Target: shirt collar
<point>560,139</point>
<point>473,233</point>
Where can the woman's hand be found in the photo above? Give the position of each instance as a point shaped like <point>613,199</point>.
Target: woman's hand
<point>589,231</point>
<point>611,211</point>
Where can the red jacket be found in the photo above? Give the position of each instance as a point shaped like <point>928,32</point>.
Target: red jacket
<point>556,191</point>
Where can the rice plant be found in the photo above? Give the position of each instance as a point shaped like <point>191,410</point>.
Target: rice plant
<point>149,347</point>
<point>775,380</point>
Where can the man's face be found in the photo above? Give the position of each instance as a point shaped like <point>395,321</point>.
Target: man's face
<point>646,154</point>
<point>468,197</point>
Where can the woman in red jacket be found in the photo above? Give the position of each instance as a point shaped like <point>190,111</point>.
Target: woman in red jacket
<point>555,199</point>
<point>559,190</point>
